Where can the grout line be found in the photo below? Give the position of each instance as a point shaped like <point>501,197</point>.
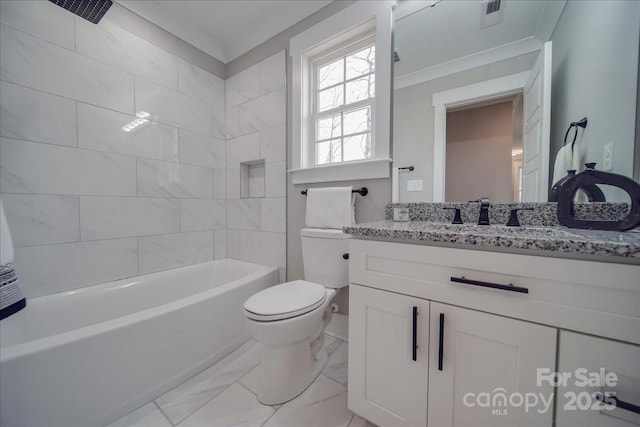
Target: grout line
<point>205,403</point>
<point>137,180</point>
<point>127,113</point>
<point>134,95</point>
<point>77,127</point>
<point>270,416</point>
<point>49,42</point>
<point>128,155</point>
<point>163,414</point>
<point>337,382</point>
<point>79,221</point>
<point>247,388</point>
<point>125,238</point>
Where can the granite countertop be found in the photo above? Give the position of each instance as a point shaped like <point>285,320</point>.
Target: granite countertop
<point>608,246</point>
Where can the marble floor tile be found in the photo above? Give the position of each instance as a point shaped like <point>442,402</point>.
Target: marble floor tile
<point>323,404</point>
<point>360,422</point>
<point>252,379</point>
<point>182,401</point>
<point>337,365</point>
<point>147,416</point>
<point>236,406</point>
<point>225,395</point>
<point>331,344</point>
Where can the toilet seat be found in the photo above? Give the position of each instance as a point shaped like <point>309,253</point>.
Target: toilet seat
<point>285,301</point>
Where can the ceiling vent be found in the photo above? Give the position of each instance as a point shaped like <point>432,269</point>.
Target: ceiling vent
<point>491,12</point>
<point>91,10</point>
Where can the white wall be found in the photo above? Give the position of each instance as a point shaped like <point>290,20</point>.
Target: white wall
<point>256,131</point>
<point>87,202</point>
<point>595,75</point>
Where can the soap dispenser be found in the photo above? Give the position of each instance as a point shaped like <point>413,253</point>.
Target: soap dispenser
<point>589,178</point>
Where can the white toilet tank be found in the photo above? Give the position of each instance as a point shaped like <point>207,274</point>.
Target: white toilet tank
<point>322,254</point>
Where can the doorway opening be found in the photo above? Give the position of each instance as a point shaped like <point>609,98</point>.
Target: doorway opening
<point>484,150</point>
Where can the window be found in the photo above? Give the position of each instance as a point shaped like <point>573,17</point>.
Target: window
<point>343,107</point>
<point>341,96</point>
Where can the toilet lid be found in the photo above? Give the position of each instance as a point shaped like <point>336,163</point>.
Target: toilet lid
<point>285,301</point>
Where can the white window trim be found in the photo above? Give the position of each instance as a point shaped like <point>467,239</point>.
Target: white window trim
<point>357,20</point>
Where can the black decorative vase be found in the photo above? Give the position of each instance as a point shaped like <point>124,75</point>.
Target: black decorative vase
<point>588,179</point>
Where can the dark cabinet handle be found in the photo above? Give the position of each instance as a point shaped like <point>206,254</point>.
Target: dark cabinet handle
<point>508,287</point>
<point>620,403</point>
<point>415,334</point>
<point>441,342</point>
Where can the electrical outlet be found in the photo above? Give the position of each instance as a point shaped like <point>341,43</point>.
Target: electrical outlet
<point>414,185</point>
<point>607,156</point>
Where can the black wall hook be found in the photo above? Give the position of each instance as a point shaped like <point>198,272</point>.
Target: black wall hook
<point>575,125</point>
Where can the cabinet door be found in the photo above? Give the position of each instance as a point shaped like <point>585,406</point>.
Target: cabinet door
<point>386,385</point>
<point>593,365</point>
<point>483,370</point>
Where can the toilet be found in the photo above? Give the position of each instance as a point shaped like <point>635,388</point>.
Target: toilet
<point>289,319</point>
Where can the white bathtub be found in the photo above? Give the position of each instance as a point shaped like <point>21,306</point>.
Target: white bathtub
<point>87,357</point>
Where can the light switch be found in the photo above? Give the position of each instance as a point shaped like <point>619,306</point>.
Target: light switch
<point>414,185</point>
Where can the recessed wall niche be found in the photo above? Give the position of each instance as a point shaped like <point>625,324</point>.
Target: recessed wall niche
<point>252,181</point>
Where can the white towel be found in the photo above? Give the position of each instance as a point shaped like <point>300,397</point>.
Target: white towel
<point>564,160</point>
<point>578,158</point>
<point>6,245</point>
<point>12,297</point>
<point>332,207</point>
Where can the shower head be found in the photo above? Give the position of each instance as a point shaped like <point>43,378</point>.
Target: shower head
<point>91,10</point>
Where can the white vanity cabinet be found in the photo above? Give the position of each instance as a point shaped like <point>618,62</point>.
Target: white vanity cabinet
<point>388,354</point>
<point>596,365</point>
<point>479,355</point>
<point>465,352</point>
<point>477,340</point>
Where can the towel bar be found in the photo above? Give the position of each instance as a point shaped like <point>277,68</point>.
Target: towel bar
<point>362,191</point>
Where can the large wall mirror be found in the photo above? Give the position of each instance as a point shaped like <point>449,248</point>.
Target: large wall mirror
<point>484,92</point>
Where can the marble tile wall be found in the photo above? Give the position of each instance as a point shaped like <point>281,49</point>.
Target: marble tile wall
<point>256,122</point>
<point>87,202</point>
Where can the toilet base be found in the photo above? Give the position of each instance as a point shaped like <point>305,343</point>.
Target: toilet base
<point>288,371</point>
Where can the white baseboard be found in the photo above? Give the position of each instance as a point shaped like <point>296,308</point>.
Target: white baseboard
<point>338,327</point>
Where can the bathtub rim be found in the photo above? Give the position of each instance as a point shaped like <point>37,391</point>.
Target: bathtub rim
<point>15,351</point>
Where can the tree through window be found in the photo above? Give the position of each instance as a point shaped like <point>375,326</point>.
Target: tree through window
<point>343,105</point>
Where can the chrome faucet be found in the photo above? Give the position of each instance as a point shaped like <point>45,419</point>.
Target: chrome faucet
<point>483,219</point>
